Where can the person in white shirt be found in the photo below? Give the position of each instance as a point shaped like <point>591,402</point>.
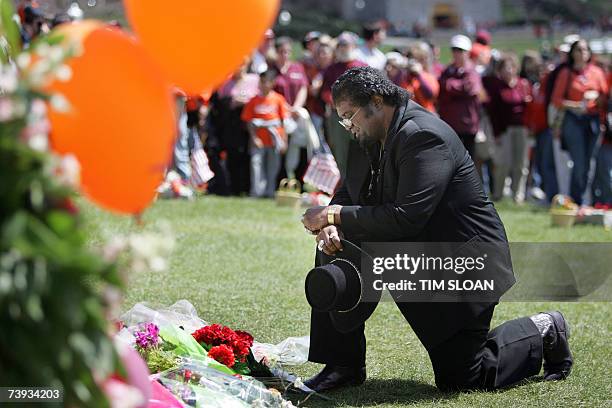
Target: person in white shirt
<point>373,34</point>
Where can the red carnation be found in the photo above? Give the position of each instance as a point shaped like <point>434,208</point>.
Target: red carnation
<point>241,349</point>
<point>223,354</point>
<point>245,337</point>
<point>211,335</point>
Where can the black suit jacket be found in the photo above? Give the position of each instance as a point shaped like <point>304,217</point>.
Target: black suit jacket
<point>431,192</point>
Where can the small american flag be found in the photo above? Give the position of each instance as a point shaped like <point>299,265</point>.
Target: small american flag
<point>323,173</point>
<point>201,172</point>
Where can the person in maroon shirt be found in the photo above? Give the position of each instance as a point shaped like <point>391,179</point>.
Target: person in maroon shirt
<point>508,97</point>
<point>323,58</point>
<point>291,81</point>
<point>339,139</point>
<point>460,86</point>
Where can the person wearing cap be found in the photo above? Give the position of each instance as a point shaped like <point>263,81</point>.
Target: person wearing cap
<point>460,88</point>
<point>410,179</point>
<point>373,35</point>
<point>345,58</point>
<point>310,44</point>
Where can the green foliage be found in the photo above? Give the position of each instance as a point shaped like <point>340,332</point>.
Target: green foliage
<point>53,320</point>
<point>10,39</point>
<point>159,359</point>
<point>53,323</point>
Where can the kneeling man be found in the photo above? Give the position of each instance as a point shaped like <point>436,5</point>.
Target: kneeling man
<point>409,178</point>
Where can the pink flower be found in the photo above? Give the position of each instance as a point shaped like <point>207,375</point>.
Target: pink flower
<point>148,337</point>
<point>7,109</point>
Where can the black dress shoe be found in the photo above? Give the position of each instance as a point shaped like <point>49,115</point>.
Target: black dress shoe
<point>332,377</point>
<point>558,358</point>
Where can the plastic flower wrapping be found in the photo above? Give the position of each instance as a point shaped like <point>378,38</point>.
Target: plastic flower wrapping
<point>199,364</point>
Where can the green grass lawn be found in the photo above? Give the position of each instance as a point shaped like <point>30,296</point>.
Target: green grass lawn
<point>242,262</point>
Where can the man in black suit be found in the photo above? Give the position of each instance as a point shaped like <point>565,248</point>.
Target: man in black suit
<point>409,178</point>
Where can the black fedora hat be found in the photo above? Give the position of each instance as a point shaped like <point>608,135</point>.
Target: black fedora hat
<point>337,284</point>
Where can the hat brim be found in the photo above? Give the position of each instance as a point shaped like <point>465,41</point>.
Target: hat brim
<point>350,320</point>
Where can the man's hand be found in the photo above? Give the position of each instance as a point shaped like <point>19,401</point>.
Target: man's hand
<point>314,219</point>
<point>330,238</point>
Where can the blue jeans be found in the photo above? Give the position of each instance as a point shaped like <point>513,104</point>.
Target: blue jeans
<point>545,162</point>
<point>580,134</point>
<point>602,184</point>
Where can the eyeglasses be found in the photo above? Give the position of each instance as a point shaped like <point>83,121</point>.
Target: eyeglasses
<point>348,123</point>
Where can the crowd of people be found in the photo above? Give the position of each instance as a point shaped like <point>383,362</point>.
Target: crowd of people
<point>526,123</point>
<point>516,117</point>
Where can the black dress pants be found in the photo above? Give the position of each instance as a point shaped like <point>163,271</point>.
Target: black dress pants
<point>471,358</point>
<point>239,169</point>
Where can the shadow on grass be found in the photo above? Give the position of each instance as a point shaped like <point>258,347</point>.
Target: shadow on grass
<point>393,391</point>
<point>379,391</point>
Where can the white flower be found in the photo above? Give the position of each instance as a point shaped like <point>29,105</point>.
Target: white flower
<point>157,264</point>
<point>69,170</point>
<point>63,73</point>
<point>147,250</point>
<point>39,74</point>
<point>39,142</point>
<point>43,50</point>
<point>37,79</point>
<point>23,60</point>
<point>59,103</point>
<point>114,247</point>
<point>8,80</point>
<point>56,54</point>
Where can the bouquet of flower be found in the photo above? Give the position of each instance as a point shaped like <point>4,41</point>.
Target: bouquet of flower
<point>232,348</point>
<point>154,350</point>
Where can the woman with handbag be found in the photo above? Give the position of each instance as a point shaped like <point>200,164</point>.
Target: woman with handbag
<point>580,92</point>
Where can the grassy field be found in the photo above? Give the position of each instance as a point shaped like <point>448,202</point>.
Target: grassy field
<point>242,262</point>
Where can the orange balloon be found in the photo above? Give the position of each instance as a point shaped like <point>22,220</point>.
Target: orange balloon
<point>199,42</point>
<point>121,124</point>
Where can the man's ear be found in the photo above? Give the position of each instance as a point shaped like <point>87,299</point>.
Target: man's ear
<point>377,101</point>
